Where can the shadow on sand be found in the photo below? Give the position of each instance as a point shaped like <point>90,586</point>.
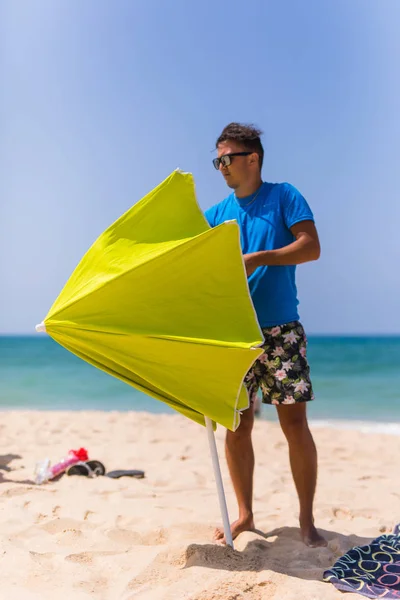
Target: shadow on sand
<point>279,550</point>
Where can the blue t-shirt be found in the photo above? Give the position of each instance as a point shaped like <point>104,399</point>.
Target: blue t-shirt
<point>265,225</point>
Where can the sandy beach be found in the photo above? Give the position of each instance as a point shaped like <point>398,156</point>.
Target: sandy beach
<point>152,538</point>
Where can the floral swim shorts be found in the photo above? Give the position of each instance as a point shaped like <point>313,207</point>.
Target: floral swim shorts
<point>282,373</point>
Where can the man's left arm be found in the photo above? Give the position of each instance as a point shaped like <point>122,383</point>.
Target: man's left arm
<point>305,248</point>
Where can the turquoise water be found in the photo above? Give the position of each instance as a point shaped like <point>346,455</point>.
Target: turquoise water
<point>355,379</point>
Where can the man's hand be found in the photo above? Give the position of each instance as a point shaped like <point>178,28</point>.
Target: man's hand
<point>251,262</point>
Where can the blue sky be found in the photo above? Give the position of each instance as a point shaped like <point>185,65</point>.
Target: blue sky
<point>101,100</point>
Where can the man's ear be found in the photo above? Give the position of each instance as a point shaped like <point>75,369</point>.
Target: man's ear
<point>253,158</point>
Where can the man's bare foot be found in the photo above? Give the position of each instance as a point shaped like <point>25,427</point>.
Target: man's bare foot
<point>311,537</point>
<point>237,527</point>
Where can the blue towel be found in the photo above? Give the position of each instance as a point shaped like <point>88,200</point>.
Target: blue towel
<point>373,571</point>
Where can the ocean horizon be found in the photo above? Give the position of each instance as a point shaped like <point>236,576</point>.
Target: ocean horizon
<point>356,380</point>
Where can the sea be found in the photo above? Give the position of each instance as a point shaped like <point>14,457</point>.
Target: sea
<point>356,382</point>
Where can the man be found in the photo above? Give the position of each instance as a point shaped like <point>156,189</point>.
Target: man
<point>277,232</point>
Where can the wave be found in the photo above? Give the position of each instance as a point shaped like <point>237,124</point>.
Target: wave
<point>363,426</point>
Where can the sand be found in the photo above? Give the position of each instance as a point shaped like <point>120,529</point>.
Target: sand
<point>128,539</point>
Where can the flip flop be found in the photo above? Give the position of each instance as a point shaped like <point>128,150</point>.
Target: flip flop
<point>130,473</point>
<point>89,468</point>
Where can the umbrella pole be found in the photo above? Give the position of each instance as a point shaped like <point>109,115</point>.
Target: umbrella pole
<point>218,481</point>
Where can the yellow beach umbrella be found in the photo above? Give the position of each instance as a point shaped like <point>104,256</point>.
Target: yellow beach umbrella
<point>161,302</point>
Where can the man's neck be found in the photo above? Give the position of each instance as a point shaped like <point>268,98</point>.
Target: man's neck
<point>248,188</point>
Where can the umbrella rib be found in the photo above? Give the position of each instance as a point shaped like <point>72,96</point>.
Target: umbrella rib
<point>233,344</point>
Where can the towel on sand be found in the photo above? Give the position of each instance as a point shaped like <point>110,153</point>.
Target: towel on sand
<point>373,570</point>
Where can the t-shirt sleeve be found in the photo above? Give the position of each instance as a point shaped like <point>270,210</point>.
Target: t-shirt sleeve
<point>295,206</point>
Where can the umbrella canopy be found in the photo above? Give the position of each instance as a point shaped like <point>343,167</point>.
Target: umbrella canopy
<point>161,302</point>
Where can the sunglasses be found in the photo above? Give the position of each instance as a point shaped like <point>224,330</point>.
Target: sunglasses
<point>226,159</point>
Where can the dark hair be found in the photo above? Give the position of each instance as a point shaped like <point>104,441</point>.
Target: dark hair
<point>247,136</point>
